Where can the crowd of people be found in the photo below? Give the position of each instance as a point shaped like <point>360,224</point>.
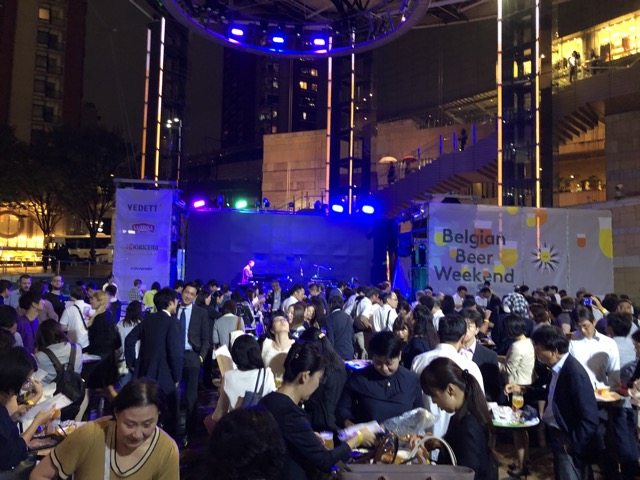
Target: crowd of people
<point>284,378</point>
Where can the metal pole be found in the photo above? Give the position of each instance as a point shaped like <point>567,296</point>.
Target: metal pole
<point>179,151</point>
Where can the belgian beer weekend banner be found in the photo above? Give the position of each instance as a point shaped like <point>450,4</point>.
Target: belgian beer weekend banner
<point>512,246</point>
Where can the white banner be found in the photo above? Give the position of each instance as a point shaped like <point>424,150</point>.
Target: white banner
<point>142,240</point>
<point>512,246</point>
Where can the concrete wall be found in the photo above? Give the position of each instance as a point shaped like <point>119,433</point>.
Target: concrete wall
<point>623,152</point>
<point>294,168</point>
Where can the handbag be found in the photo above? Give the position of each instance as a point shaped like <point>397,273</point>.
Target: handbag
<point>252,398</point>
<point>381,471</point>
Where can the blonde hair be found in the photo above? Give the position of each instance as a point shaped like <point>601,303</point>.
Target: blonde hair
<point>103,301</point>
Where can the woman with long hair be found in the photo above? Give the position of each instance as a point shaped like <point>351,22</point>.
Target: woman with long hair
<point>424,338</point>
<point>297,322</point>
<point>50,336</point>
<point>305,453</point>
<point>128,445</point>
<point>470,433</point>
<point>276,344</point>
<point>132,317</point>
<point>104,341</point>
<point>321,406</point>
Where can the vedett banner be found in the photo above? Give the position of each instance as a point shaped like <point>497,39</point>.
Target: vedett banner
<point>512,246</point>
<point>142,239</point>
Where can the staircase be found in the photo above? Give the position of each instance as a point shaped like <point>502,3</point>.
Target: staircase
<point>452,172</point>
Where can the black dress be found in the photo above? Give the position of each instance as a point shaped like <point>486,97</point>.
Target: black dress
<point>468,440</point>
<point>103,341</point>
<point>305,453</point>
<point>14,449</point>
<point>321,406</point>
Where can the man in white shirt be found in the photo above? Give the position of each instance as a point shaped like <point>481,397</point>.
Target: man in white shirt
<point>297,294</point>
<point>365,309</point>
<point>597,353</point>
<point>73,319</point>
<point>458,297</point>
<point>452,332</point>
<point>384,317</point>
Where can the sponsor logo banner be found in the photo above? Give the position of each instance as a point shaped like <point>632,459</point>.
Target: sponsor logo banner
<point>142,239</point>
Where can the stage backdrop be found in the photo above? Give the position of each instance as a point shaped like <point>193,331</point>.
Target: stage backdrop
<point>220,243</point>
<point>142,244</point>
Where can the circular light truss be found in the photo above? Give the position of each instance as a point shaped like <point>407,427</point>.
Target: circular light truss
<point>299,28</point>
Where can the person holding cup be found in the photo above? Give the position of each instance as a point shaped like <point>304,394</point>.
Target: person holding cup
<point>16,366</point>
<point>305,451</point>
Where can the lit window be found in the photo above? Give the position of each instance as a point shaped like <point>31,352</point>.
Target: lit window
<point>304,115</point>
<point>274,129</point>
<point>275,84</point>
<point>303,85</point>
<point>313,72</point>
<point>44,13</point>
<point>274,114</point>
<point>314,87</point>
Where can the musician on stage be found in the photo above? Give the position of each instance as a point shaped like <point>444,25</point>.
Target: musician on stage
<point>247,274</point>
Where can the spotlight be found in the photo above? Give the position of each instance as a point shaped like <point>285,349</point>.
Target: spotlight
<point>237,32</point>
<point>337,208</point>
<point>199,203</point>
<point>319,42</point>
<point>277,38</point>
<point>368,209</point>
<point>240,204</point>
<point>266,203</point>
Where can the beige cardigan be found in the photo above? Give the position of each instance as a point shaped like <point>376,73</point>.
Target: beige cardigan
<point>520,363</point>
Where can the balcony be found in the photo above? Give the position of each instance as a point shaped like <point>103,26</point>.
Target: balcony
<point>569,199</point>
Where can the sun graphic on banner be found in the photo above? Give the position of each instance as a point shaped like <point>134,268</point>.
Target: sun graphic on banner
<point>545,258</point>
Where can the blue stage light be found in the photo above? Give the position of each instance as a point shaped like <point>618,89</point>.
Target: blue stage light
<point>337,208</point>
<point>368,209</point>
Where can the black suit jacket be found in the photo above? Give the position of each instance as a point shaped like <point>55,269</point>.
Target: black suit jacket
<point>199,335</point>
<point>575,408</point>
<point>339,327</point>
<point>487,361</point>
<point>161,350</point>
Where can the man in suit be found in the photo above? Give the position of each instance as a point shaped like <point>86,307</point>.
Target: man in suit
<point>339,327</point>
<point>571,414</point>
<point>160,355</point>
<point>194,337</point>
<point>485,358</point>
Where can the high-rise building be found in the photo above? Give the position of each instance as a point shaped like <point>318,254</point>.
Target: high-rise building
<point>266,95</point>
<point>41,64</point>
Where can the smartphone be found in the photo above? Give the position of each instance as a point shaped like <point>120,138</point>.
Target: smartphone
<point>587,301</point>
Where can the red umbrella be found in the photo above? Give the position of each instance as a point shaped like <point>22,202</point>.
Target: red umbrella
<point>409,159</point>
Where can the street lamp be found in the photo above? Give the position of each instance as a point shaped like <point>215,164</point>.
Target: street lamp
<point>176,122</point>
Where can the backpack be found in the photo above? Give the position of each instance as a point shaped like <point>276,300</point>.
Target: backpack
<point>243,310</point>
<point>68,381</point>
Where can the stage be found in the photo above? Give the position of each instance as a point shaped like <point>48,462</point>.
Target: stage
<point>283,245</point>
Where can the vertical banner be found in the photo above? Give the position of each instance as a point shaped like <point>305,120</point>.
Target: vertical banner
<point>512,246</point>
<point>142,240</point>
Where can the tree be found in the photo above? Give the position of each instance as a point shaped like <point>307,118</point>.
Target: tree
<point>89,160</point>
<point>30,182</point>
